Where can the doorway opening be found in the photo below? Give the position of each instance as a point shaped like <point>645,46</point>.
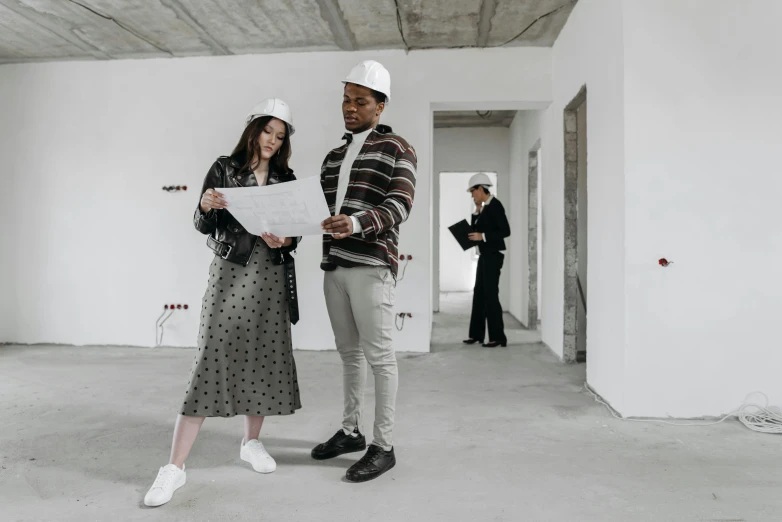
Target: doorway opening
<point>575,236</point>
<point>466,139</point>
<point>457,267</point>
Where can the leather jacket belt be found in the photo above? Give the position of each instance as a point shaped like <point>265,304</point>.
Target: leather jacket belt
<point>220,249</point>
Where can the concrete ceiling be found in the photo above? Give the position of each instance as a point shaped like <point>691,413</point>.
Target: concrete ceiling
<point>46,30</point>
<point>451,119</point>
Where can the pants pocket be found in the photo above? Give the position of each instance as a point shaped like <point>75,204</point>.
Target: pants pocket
<point>383,273</point>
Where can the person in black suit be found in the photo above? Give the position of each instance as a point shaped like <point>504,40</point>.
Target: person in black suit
<point>491,227</point>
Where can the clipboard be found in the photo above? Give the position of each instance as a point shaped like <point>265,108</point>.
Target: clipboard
<point>461,231</point>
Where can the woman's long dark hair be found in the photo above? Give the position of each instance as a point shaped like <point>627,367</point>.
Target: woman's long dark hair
<point>248,152</point>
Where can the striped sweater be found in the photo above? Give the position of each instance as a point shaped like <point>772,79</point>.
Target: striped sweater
<point>380,195</point>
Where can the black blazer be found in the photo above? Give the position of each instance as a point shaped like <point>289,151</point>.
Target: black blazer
<point>493,224</point>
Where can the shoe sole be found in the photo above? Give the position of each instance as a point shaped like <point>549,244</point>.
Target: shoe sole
<point>176,487</point>
<point>336,454</point>
<point>372,477</point>
<point>247,460</point>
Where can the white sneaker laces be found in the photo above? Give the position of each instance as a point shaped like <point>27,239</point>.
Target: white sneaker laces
<point>164,478</point>
<point>258,449</point>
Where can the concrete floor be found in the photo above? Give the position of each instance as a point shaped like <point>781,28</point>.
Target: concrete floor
<point>452,324</point>
<point>482,435</point>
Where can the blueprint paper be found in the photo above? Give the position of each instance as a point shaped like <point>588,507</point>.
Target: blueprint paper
<point>295,208</point>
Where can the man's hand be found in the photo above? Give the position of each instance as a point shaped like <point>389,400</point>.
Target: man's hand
<point>339,227</point>
<point>475,236</point>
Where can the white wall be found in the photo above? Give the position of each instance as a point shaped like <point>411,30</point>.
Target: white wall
<point>472,150</point>
<point>589,51</point>
<point>703,184</point>
<point>525,132</point>
<point>98,247</point>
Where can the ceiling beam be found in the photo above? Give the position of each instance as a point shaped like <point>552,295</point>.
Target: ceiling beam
<point>184,15</point>
<point>343,34</point>
<point>488,10</point>
<point>54,26</point>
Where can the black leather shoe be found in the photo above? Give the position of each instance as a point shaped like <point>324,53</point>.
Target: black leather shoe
<point>470,341</point>
<point>495,344</point>
<point>338,445</point>
<point>374,463</point>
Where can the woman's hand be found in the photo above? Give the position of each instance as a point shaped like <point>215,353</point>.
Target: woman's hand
<point>211,199</point>
<point>276,242</point>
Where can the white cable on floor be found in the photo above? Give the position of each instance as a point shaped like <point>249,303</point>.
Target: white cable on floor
<point>760,418</point>
<point>755,417</point>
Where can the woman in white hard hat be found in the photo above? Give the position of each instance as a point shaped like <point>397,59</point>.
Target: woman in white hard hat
<point>491,227</point>
<point>244,364</point>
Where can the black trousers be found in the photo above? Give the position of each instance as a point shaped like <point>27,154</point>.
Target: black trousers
<point>486,299</point>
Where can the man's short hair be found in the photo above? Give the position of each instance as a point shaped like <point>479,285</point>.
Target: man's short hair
<point>378,96</point>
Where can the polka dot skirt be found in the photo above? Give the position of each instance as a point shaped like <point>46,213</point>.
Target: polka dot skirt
<point>244,364</point>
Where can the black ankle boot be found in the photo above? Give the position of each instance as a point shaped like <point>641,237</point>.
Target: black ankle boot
<point>339,444</point>
<point>374,463</point>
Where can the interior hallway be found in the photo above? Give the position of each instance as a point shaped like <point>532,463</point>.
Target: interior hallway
<point>452,323</point>
<point>482,435</point>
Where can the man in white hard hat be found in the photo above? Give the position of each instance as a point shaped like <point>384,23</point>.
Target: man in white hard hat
<point>369,184</point>
<point>491,228</point>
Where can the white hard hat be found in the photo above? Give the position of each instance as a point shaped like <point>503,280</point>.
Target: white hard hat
<point>372,74</point>
<point>276,108</point>
<point>481,179</point>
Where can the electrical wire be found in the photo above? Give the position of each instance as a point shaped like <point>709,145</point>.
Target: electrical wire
<point>404,269</point>
<point>157,323</point>
<point>485,115</point>
<point>399,25</point>
<point>541,17</point>
<point>396,321</point>
<point>754,416</point>
<point>121,25</point>
<point>162,330</point>
<point>536,20</point>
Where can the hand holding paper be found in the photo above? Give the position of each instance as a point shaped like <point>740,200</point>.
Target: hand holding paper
<point>211,199</point>
<point>295,208</point>
<point>274,241</point>
<point>339,227</point>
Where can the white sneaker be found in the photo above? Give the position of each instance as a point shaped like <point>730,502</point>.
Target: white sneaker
<point>169,479</point>
<point>254,453</point>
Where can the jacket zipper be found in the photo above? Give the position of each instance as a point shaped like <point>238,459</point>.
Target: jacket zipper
<point>255,243</point>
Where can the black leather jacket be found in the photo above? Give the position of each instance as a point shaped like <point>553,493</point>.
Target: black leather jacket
<point>228,239</point>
